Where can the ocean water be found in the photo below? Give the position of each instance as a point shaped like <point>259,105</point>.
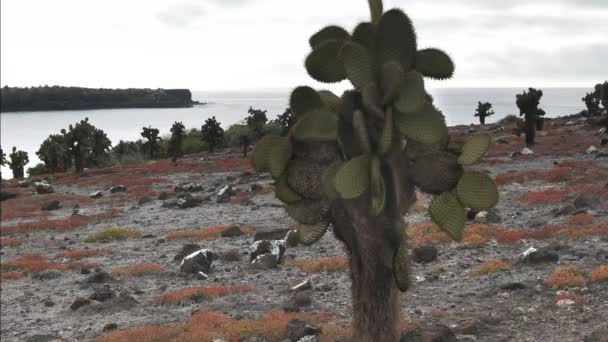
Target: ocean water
<point>27,130</point>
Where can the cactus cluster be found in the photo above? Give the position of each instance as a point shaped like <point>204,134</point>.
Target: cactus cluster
<point>174,148</point>
<point>212,133</point>
<point>483,110</point>
<point>344,163</point>
<point>18,160</point>
<point>592,103</point>
<point>528,102</point>
<point>601,94</point>
<point>256,121</point>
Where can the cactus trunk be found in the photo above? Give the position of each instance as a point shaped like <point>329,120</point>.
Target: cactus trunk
<point>530,129</point>
<point>375,295</point>
<point>482,119</point>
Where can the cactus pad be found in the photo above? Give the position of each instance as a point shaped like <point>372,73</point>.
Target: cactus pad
<point>309,234</point>
<point>364,34</point>
<point>330,100</point>
<point>304,99</point>
<point>328,33</point>
<point>360,127</point>
<point>411,97</point>
<point>352,179</point>
<point>262,151</point>
<point>321,152</point>
<point>434,63</point>
<point>436,173</point>
<point>308,211</point>
<point>327,181</point>
<point>323,64</point>
<point>426,126</point>
<point>386,139</point>
<point>392,79</point>
<point>283,192</point>
<point>358,65</point>
<point>449,214</point>
<point>474,149</point>
<point>401,265</point>
<point>318,125</point>
<point>376,9</point>
<point>477,191</point>
<point>280,153</point>
<point>396,39</point>
<point>304,178</point>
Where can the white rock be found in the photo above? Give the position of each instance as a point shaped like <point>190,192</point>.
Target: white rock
<point>192,255</point>
<point>591,149</point>
<point>529,251</point>
<point>602,131</point>
<point>526,151</point>
<point>565,302</point>
<point>570,123</point>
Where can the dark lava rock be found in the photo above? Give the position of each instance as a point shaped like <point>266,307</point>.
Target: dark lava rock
<point>274,247</point>
<point>540,257</point>
<point>425,254</point>
<point>232,231</point>
<point>188,201</point>
<point>172,203</point>
<point>584,201</point>
<point>79,302</point>
<point>291,239</point>
<point>439,333</point>
<point>231,255</point>
<point>6,195</point>
<point>599,335</point>
<point>185,251</point>
<point>565,210</point>
<point>277,234</point>
<point>298,300</point>
<point>48,303</point>
<point>144,200</point>
<point>46,275</point>
<point>471,214</point>
<point>255,187</point>
<point>23,184</point>
<point>188,187</point>
<point>103,294</point>
<point>493,217</point>
<point>99,277</point>
<point>199,261</point>
<point>265,261</point>
<point>225,193</point>
<point>96,194</point>
<point>604,141</point>
<point>512,286</point>
<point>118,188</point>
<point>163,196</point>
<point>110,327</point>
<point>50,205</point>
<point>297,328</point>
<point>44,188</point>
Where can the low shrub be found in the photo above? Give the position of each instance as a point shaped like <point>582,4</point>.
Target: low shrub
<point>69,223</point>
<point>204,292</point>
<point>581,219</point>
<point>34,262</point>
<point>81,254</point>
<point>111,234</point>
<point>599,274</point>
<point>324,264</point>
<point>565,276</point>
<point>137,270</point>
<point>10,242</point>
<point>491,266</point>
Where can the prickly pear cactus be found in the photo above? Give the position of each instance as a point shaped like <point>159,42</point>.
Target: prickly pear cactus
<point>528,102</point>
<point>601,94</point>
<point>483,110</point>
<point>374,144</point>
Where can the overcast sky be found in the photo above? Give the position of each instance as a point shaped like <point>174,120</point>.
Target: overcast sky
<point>261,44</point>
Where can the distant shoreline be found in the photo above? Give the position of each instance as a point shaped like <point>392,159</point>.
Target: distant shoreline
<point>40,99</point>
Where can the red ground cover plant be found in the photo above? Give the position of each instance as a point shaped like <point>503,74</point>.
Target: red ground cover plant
<point>491,266</point>
<point>210,325</point>
<point>476,236</point>
<point>69,223</point>
<point>426,234</point>
<point>565,276</point>
<point>521,177</point>
<point>239,197</point>
<point>205,292</point>
<point>599,274</point>
<point>11,275</point>
<point>581,219</point>
<point>550,195</point>
<point>510,236</point>
<point>323,264</point>
<point>35,262</point>
<point>28,205</point>
<point>137,270</point>
<point>81,254</point>
<point>208,233</point>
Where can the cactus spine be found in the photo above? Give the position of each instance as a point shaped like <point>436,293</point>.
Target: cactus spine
<point>343,163</point>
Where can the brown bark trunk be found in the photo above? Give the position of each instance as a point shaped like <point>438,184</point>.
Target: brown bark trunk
<point>372,243</point>
<point>530,128</point>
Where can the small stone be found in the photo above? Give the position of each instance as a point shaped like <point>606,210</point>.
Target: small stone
<point>514,154</point>
<point>102,294</point>
<point>425,254</point>
<point>232,231</point>
<point>172,203</point>
<point>48,303</point>
<point>50,205</point>
<point>583,201</point>
<point>118,188</point>
<point>305,285</point>
<point>565,302</point>
<point>539,257</point>
<point>99,277</point>
<point>255,187</point>
<point>526,151</point>
<point>79,302</point>
<point>199,261</point>
<point>143,200</point>
<point>604,141</point>
<point>163,196</point>
<point>43,188</point>
<point>186,250</point>
<point>276,248</point>
<point>591,149</point>
<point>96,194</point>
<point>291,239</point>
<point>512,286</point>
<point>23,184</point>
<point>265,261</point>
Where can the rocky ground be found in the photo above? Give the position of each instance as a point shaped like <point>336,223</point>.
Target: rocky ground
<point>499,284</point>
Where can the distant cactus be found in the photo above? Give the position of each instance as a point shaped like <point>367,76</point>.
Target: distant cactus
<point>592,103</point>
<point>88,145</point>
<point>100,148</point>
<point>528,106</point>
<point>18,160</point>
<point>3,160</point>
<point>286,120</point>
<point>213,134</point>
<point>483,110</point>
<point>152,143</point>
<point>178,131</point>
<point>256,121</point>
<point>601,94</point>
<point>244,140</point>
<point>55,154</point>
<point>343,165</point>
